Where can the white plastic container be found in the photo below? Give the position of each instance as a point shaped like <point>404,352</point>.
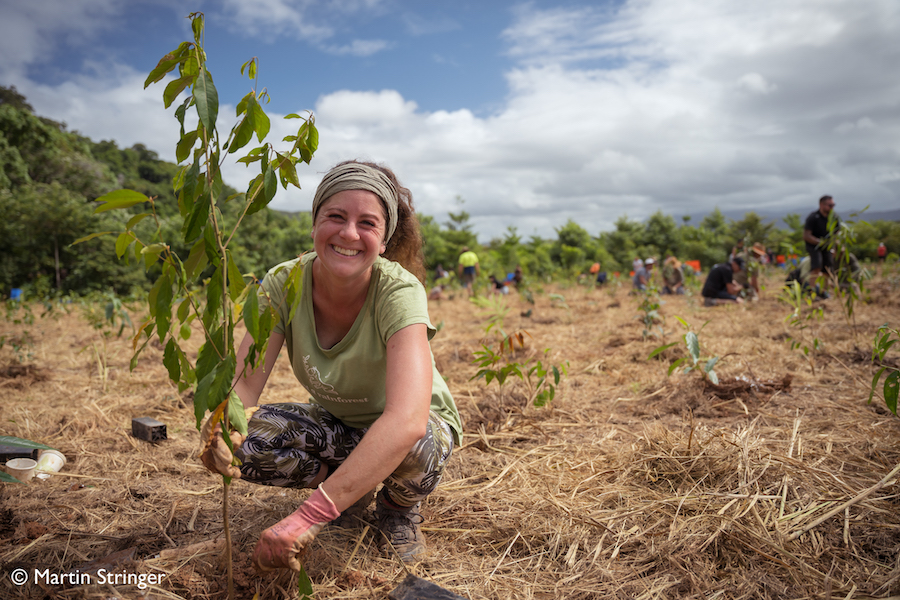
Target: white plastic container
<point>49,461</point>
<point>21,468</point>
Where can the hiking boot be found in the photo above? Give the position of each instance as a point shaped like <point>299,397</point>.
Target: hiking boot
<point>400,529</point>
<point>356,514</point>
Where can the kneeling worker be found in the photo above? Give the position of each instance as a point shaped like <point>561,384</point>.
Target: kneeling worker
<point>720,286</point>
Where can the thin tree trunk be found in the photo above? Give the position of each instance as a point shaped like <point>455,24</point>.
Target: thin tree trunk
<point>56,256</point>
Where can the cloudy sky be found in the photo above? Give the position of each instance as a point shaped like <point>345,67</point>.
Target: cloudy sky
<point>532,113</point>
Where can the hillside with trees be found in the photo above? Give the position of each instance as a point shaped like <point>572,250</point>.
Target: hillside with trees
<point>49,178</point>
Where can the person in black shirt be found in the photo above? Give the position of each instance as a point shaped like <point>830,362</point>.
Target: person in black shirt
<point>720,286</point>
<point>815,234</point>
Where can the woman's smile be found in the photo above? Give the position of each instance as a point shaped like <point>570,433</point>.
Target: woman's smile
<point>345,251</point>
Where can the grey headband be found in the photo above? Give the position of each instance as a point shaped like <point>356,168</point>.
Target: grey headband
<point>356,176</point>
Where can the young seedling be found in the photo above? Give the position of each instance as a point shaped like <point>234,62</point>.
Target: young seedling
<point>884,339</point>
<point>175,303</point>
<point>649,315</point>
<point>499,365</point>
<point>803,317</point>
<point>691,340</point>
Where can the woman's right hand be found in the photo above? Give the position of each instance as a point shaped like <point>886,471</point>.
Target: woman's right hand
<point>283,544</point>
<point>215,454</point>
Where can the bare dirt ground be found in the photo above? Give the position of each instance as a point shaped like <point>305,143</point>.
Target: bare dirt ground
<point>631,484</point>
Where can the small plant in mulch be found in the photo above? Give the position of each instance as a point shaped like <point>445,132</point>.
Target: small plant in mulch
<point>804,321</point>
<point>541,378</point>
<point>885,338</point>
<point>737,387</point>
<point>20,315</point>
<point>692,342</point>
<point>649,314</point>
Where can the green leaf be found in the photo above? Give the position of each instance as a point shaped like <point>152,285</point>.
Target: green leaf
<point>237,419</point>
<point>711,363</point>
<point>189,188</point>
<point>891,388</point>
<point>713,377</point>
<point>197,27</point>
<point>122,242</point>
<point>207,100</point>
<point>260,120</point>
<point>174,88</point>
<point>214,388</point>
<point>214,292</point>
<point>243,133</point>
<point>171,361</point>
<point>185,144</point>
<point>92,236</point>
<point>312,138</point>
<point>164,305</point>
<point>251,313</point>
<point>304,585</point>
<point>875,382</point>
<point>167,63</point>
<point>135,220</point>
<point>675,365</point>
<point>193,226</point>
<point>8,440</point>
<point>660,350</point>
<point>693,345</point>
<point>236,283</point>
<point>683,322</point>
<point>151,253</point>
<point>120,199</point>
<point>289,172</point>
<point>196,260</point>
<point>207,356</point>
<point>4,476</point>
<point>270,184</point>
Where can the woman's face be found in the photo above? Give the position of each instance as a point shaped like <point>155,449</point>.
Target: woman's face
<point>348,234</point>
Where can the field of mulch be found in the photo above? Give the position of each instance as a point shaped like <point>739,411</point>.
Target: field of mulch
<point>778,483</point>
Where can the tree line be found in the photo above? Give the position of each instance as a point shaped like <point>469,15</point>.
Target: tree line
<point>50,177</point>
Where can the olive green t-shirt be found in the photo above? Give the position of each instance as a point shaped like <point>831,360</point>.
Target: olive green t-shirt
<point>348,380</point>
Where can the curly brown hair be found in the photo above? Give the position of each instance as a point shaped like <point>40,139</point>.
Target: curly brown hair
<point>406,245</point>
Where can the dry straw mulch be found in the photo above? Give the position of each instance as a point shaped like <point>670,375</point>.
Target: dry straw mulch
<point>777,484</point>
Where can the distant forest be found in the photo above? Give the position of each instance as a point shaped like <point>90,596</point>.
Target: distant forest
<point>50,177</point>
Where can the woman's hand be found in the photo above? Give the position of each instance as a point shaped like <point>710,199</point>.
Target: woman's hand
<point>282,544</point>
<point>215,454</point>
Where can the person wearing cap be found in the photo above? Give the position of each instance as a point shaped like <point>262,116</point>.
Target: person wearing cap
<point>637,264</point>
<point>720,287</point>
<point>642,275</point>
<point>673,276</point>
<point>357,337</point>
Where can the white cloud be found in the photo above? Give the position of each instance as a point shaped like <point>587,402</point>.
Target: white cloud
<point>305,20</point>
<point>682,105</point>
<point>357,48</point>
<point>29,31</point>
<point>756,83</point>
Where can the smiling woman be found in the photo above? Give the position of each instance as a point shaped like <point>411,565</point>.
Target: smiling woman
<point>357,338</point>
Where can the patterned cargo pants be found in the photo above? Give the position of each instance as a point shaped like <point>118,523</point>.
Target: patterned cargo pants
<point>287,444</point>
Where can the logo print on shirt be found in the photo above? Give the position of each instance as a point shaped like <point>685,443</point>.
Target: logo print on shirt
<point>322,390</point>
